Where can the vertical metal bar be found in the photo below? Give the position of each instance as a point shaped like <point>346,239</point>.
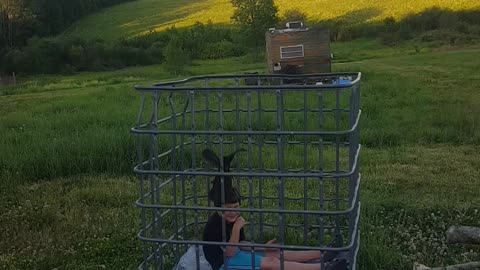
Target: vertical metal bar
<point>142,182</point>
<point>250,179</point>
<point>281,206</point>
<point>155,229</point>
<point>140,111</point>
<point>174,167</point>
<point>305,167</point>
<point>352,143</point>
<point>337,142</point>
<point>207,137</point>
<point>222,178</point>
<point>157,186</point>
<point>321,233</point>
<point>207,114</point>
<point>182,167</point>
<point>337,160</point>
<point>260,163</point>
<point>354,146</point>
<point>351,183</point>
<point>237,125</point>
<point>194,174</point>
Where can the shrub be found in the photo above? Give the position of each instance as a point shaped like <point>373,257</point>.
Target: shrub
<point>447,37</point>
<point>292,15</point>
<point>176,57</point>
<point>222,49</point>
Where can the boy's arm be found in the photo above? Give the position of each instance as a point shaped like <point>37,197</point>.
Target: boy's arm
<point>235,236</point>
<point>234,239</point>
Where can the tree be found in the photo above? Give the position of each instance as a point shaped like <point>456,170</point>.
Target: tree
<point>176,58</point>
<point>13,17</point>
<point>293,15</point>
<point>255,17</point>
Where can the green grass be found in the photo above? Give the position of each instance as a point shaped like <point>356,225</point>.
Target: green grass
<point>67,192</point>
<point>67,112</point>
<point>75,223</point>
<point>142,16</point>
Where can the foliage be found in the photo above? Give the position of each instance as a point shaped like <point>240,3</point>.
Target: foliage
<point>255,17</point>
<point>16,22</point>
<point>176,57</point>
<point>210,41</point>
<point>292,15</point>
<point>46,55</point>
<point>222,49</point>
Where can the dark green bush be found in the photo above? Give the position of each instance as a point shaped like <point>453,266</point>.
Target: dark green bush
<point>291,16</point>
<point>176,57</point>
<point>201,41</point>
<point>222,49</point>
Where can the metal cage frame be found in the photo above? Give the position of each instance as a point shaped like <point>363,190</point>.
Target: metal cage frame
<point>300,169</point>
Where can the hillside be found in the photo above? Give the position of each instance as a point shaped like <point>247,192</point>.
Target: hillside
<point>142,16</point>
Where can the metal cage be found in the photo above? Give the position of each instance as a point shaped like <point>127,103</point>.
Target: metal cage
<point>299,176</point>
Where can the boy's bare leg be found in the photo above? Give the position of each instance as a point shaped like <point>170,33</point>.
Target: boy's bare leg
<point>295,256</point>
<point>271,263</point>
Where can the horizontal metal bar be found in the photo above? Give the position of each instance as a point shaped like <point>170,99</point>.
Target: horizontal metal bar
<point>137,130</point>
<point>245,210</point>
<point>253,210</point>
<point>289,225</point>
<point>189,143</point>
<point>178,85</point>
<point>326,110</point>
<point>187,198</point>
<point>168,118</point>
<point>351,243</point>
<point>301,199</point>
<point>262,76</point>
<point>191,197</point>
<point>137,170</point>
<point>246,88</point>
<point>260,173</point>
<point>241,244</point>
<point>285,174</point>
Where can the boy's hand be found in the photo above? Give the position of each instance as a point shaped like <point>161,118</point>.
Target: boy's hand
<point>239,223</point>
<point>271,242</point>
<point>272,252</point>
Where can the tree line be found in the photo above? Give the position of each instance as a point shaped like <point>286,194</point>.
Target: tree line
<point>23,19</point>
<point>29,49</point>
<point>26,51</point>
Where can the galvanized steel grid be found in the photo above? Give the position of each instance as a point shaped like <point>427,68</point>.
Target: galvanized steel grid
<point>176,120</point>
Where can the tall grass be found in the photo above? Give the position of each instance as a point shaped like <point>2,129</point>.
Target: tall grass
<point>406,100</point>
<point>55,127</point>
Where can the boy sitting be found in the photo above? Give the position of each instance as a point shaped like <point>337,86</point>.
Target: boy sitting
<point>238,259</point>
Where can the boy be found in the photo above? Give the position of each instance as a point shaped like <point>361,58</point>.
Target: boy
<point>242,260</point>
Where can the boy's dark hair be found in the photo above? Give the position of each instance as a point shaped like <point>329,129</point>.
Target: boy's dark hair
<point>232,195</point>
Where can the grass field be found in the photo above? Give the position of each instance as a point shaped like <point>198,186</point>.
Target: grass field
<point>67,188</point>
<point>142,16</point>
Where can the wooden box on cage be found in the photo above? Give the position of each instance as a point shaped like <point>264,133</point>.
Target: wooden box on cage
<point>298,50</point>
